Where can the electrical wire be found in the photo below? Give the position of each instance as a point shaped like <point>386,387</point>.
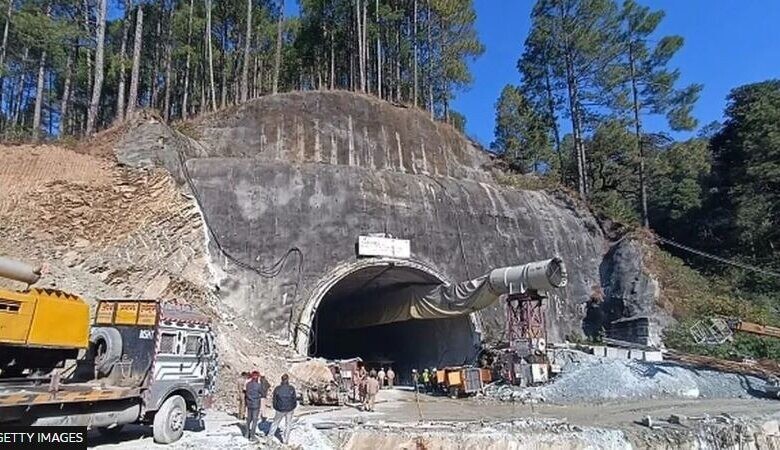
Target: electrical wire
<point>718,258</point>
<point>265,272</point>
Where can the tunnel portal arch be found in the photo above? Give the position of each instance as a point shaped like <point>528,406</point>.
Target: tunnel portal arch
<point>351,284</point>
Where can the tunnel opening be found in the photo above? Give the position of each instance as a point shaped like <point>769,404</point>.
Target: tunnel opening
<point>405,345</point>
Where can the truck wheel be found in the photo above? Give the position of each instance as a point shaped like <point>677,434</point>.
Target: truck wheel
<point>110,432</point>
<point>106,343</point>
<point>169,420</point>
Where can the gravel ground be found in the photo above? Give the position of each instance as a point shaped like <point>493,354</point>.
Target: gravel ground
<point>590,378</point>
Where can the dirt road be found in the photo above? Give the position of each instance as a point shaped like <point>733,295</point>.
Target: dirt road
<point>398,409</point>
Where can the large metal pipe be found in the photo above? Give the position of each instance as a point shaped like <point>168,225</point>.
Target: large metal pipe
<point>447,301</point>
<point>537,276</point>
<point>19,271</point>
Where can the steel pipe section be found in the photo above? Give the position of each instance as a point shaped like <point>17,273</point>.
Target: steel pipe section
<point>538,276</point>
<point>19,271</point>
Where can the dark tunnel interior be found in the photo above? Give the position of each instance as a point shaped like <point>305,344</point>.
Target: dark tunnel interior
<point>412,344</point>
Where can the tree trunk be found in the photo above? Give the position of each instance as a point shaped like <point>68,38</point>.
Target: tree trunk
<point>66,92</point>
<point>366,87</point>
<point>278,57</point>
<point>575,125</point>
<point>639,146</point>
<point>361,46</point>
<point>97,86</point>
<point>378,54</point>
<point>154,86</point>
<point>224,71</point>
<point>414,40</point>
<point>120,96</point>
<point>430,62</point>
<point>168,67</point>
<point>332,63</point>
<point>18,94</point>
<point>210,56</point>
<point>184,104</point>
<point>88,31</point>
<point>39,97</point>
<point>132,99</point>
<point>554,122</point>
<point>398,66</point>
<point>4,48</point>
<point>247,42</point>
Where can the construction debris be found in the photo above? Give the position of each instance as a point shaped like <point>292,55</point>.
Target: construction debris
<point>588,377</point>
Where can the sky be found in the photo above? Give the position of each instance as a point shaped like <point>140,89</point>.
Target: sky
<point>728,43</point>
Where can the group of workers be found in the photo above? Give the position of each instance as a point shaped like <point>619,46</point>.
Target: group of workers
<point>252,398</point>
<point>368,384</point>
<point>426,381</point>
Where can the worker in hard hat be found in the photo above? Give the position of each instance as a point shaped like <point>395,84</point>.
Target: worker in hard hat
<point>426,380</point>
<point>415,380</point>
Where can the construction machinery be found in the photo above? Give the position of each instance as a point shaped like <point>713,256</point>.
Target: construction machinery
<point>140,362</point>
<point>719,330</point>
<point>39,328</point>
<point>464,380</point>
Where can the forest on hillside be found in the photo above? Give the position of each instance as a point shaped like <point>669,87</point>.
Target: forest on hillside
<point>599,69</point>
<point>69,70</point>
<point>590,74</point>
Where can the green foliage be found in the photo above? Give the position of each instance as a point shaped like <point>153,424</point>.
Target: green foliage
<point>522,137</point>
<point>458,121</point>
<point>743,209</point>
<point>676,187</point>
<point>742,346</point>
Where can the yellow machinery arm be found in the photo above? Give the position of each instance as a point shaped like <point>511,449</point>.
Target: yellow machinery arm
<point>39,328</point>
<point>754,328</point>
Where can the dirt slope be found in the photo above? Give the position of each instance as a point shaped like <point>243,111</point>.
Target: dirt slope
<point>103,231</point>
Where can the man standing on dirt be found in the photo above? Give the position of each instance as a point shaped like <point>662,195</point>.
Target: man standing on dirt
<point>390,377</point>
<point>265,386</point>
<point>380,376</point>
<point>285,401</point>
<point>372,389</point>
<point>253,396</point>
<point>241,382</point>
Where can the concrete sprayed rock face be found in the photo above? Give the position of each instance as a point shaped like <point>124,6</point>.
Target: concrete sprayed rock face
<point>287,183</point>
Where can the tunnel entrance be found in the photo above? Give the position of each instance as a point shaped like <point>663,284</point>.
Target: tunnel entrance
<point>412,344</point>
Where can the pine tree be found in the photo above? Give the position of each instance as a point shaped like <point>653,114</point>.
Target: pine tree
<point>522,137</point>
<point>650,83</point>
<point>579,39</point>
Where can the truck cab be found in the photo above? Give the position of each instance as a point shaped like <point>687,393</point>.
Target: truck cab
<point>147,363</point>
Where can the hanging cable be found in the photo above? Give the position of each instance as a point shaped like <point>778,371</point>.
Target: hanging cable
<point>270,272</point>
<point>718,258</point>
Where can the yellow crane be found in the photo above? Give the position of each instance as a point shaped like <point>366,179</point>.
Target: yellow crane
<point>39,328</point>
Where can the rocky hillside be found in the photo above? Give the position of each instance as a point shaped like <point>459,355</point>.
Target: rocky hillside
<point>103,231</point>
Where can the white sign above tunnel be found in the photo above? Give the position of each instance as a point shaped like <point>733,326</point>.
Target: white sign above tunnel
<point>383,246</point>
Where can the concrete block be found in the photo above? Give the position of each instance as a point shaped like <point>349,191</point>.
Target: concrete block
<point>653,356</point>
<point>616,353</point>
<point>636,354</point>
<point>598,350</point>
